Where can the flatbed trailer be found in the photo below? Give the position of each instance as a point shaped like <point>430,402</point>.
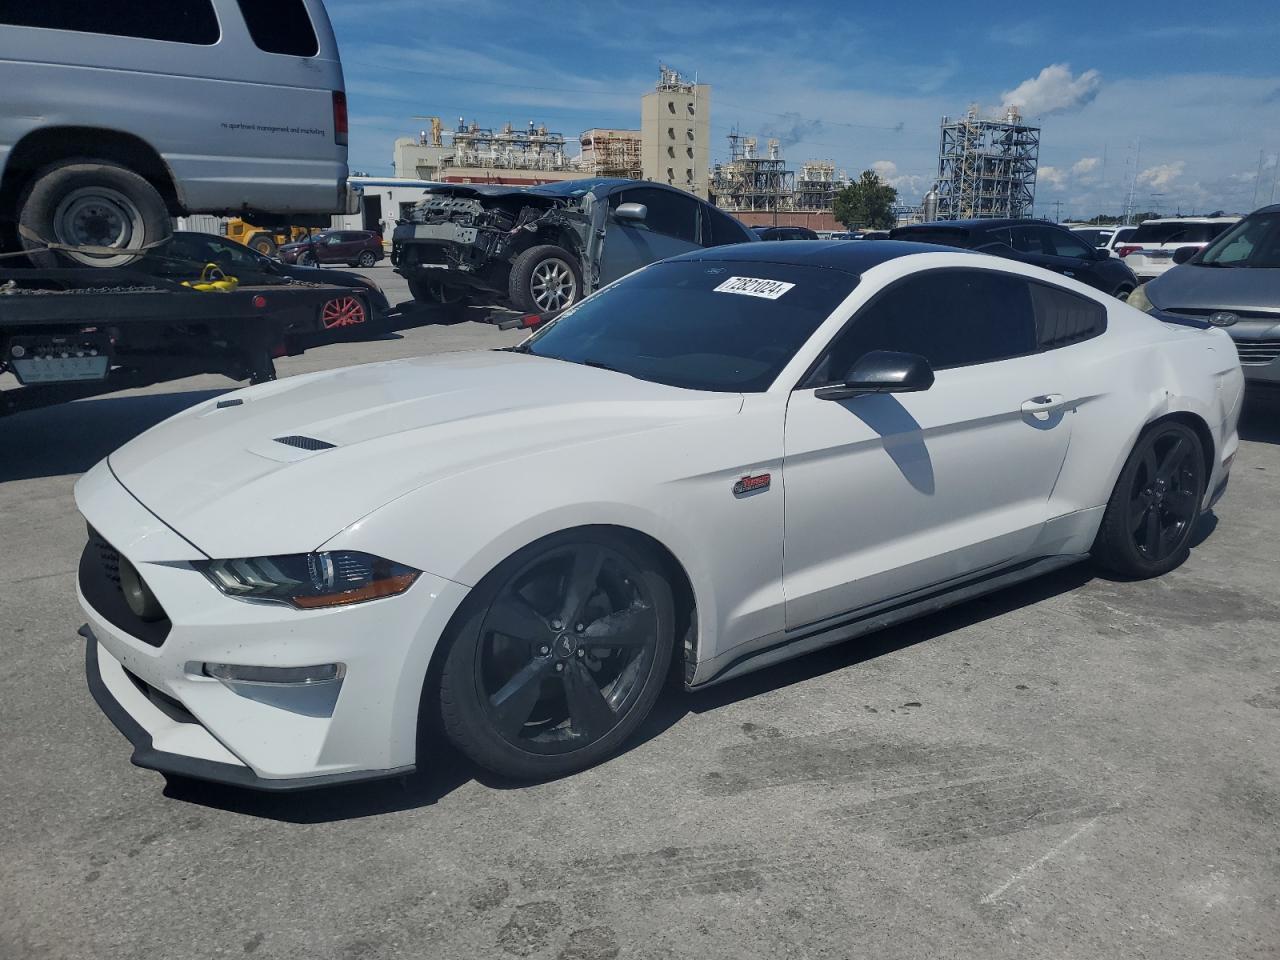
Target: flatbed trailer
<point>66,334</point>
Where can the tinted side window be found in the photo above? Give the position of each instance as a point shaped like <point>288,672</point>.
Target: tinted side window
<point>953,318</point>
<point>1063,318</point>
<point>1029,240</point>
<point>720,228</point>
<point>1064,244</point>
<point>178,21</point>
<point>280,26</point>
<point>669,213</point>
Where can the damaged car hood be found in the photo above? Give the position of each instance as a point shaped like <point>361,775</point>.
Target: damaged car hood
<point>283,467</point>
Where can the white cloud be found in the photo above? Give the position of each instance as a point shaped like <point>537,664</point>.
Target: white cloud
<point>1054,90</point>
<point>1161,175</point>
<point>1052,177</point>
<point>1084,166</point>
<point>885,169</point>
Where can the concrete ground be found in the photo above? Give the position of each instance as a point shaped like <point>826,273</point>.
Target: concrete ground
<point>1075,768</point>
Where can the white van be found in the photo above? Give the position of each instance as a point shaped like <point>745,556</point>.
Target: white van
<point>115,117</point>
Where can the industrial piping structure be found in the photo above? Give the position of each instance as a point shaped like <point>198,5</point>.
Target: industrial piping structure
<point>987,167</point>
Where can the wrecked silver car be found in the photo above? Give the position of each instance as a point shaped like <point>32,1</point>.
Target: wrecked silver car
<point>541,249</point>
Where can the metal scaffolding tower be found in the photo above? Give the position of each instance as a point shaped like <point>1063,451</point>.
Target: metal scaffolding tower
<point>818,184</point>
<point>751,182</point>
<point>987,167</point>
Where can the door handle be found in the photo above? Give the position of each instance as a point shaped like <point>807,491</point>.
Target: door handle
<point>1042,406</point>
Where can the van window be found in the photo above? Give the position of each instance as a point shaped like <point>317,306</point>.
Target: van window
<point>280,26</point>
<point>178,21</point>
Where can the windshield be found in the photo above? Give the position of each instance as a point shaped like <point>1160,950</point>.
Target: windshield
<point>1177,232</point>
<point>946,236</point>
<point>724,326</point>
<point>1253,242</point>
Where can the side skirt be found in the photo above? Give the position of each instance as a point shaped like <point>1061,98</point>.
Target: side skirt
<point>884,615</point>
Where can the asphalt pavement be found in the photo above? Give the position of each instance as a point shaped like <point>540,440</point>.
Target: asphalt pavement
<point>1074,768</point>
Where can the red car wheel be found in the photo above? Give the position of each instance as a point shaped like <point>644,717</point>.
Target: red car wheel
<point>343,312</point>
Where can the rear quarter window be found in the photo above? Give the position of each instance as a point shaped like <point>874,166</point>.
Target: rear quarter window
<point>280,26</point>
<point>175,21</point>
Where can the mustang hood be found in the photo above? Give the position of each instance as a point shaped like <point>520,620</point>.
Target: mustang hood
<point>282,467</point>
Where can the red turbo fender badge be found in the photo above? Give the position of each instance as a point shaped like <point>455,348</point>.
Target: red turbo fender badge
<point>751,484</point>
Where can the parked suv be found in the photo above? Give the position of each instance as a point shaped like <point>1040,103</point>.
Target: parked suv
<point>1105,237</point>
<point>1031,241</point>
<point>542,249</point>
<point>116,117</point>
<point>1232,282</point>
<point>356,248</point>
<point>1149,251</point>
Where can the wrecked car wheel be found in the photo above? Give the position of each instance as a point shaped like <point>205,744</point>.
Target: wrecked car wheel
<point>450,304</point>
<point>545,279</point>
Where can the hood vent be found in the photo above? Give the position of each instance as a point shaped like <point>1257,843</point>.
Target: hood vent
<point>305,443</point>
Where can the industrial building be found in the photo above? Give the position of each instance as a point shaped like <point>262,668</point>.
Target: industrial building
<point>610,153</point>
<point>510,155</point>
<point>675,132</point>
<point>759,189</point>
<point>986,167</point>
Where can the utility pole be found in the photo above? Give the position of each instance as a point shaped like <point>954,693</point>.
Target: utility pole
<point>1253,204</point>
<point>1133,185</point>
<point>1057,211</point>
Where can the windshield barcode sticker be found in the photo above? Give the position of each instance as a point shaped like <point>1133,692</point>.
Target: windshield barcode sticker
<point>754,287</point>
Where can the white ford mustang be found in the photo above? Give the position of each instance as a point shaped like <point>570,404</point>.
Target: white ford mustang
<point>719,462</point>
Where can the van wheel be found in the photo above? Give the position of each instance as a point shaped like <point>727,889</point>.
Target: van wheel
<point>89,203</point>
<point>545,279</point>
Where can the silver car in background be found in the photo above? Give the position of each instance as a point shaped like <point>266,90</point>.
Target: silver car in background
<point>1234,282</point>
<point>117,116</point>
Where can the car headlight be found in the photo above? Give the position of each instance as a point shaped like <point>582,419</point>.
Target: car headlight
<point>1140,300</point>
<point>310,580</point>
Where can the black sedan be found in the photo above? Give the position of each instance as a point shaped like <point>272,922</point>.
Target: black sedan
<point>1031,241</point>
<point>339,317</point>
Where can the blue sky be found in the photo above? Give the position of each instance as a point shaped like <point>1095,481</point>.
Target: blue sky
<point>1198,84</point>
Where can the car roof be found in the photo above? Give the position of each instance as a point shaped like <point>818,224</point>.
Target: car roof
<point>977,224</point>
<point>1193,219</point>
<point>854,258</point>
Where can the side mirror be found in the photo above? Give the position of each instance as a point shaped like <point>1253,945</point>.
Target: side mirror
<point>1183,254</point>
<point>636,212</point>
<point>882,371</point>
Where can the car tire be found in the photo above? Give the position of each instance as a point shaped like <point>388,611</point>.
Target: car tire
<point>549,696</point>
<point>308,260</point>
<point>545,279</point>
<point>367,259</point>
<point>1151,517</point>
<point>450,305</point>
<point>1123,291</point>
<point>90,203</point>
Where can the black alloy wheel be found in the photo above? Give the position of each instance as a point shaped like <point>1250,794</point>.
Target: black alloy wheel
<point>1150,520</point>
<point>564,659</point>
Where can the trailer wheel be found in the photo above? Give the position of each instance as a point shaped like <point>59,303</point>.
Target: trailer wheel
<point>90,203</point>
<point>545,279</point>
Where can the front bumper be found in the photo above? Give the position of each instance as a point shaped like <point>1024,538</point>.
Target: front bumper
<point>268,736</point>
<point>169,743</point>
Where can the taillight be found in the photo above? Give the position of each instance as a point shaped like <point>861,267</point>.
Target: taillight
<point>1127,248</point>
<point>340,117</point>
